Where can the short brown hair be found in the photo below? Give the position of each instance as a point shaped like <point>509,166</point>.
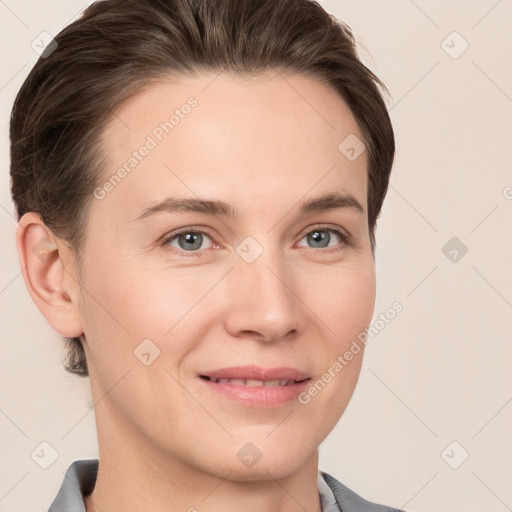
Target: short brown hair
<point>118,46</point>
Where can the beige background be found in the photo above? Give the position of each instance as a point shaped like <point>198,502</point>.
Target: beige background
<point>438,372</point>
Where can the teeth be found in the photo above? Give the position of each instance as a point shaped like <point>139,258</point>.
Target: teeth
<point>251,383</point>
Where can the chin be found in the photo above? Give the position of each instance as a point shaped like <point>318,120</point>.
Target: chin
<point>271,464</point>
<point>259,473</point>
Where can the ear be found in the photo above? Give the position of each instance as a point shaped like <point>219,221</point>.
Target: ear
<point>48,267</point>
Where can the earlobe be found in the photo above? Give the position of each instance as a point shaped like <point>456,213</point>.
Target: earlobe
<point>44,262</point>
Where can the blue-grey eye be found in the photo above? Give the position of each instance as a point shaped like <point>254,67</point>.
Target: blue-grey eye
<point>188,240</point>
<point>320,238</point>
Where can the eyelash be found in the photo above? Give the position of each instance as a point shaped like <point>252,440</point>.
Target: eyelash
<point>345,238</point>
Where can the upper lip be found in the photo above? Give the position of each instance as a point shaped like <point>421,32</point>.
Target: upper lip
<point>253,372</point>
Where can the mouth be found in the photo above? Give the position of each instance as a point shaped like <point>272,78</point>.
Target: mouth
<point>252,375</point>
<point>253,383</point>
<point>254,386</point>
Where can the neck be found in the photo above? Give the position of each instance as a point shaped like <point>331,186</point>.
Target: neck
<point>134,475</point>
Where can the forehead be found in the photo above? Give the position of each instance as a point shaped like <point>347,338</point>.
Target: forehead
<point>263,135</point>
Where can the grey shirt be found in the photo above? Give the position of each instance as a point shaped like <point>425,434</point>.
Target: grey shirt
<point>81,476</point>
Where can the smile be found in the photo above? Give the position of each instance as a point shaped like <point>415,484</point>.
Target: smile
<point>254,383</point>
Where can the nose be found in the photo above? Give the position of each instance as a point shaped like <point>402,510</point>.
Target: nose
<point>264,303</point>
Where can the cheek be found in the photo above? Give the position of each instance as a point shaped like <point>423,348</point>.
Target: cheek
<point>347,309</point>
<point>345,300</point>
<point>124,306</point>
<point>345,304</point>
<point>136,302</point>
<point>358,301</point>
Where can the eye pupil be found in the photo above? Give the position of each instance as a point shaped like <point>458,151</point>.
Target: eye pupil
<point>318,236</point>
<point>191,238</point>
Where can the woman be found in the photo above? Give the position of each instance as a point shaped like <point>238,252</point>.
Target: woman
<point>197,184</point>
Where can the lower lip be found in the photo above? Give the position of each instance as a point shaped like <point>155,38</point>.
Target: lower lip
<point>258,396</point>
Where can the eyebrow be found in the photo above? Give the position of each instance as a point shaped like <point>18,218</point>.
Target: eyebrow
<point>321,203</point>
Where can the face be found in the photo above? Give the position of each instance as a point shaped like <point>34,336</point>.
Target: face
<point>176,295</point>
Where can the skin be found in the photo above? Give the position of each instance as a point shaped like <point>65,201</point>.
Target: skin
<point>166,441</point>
